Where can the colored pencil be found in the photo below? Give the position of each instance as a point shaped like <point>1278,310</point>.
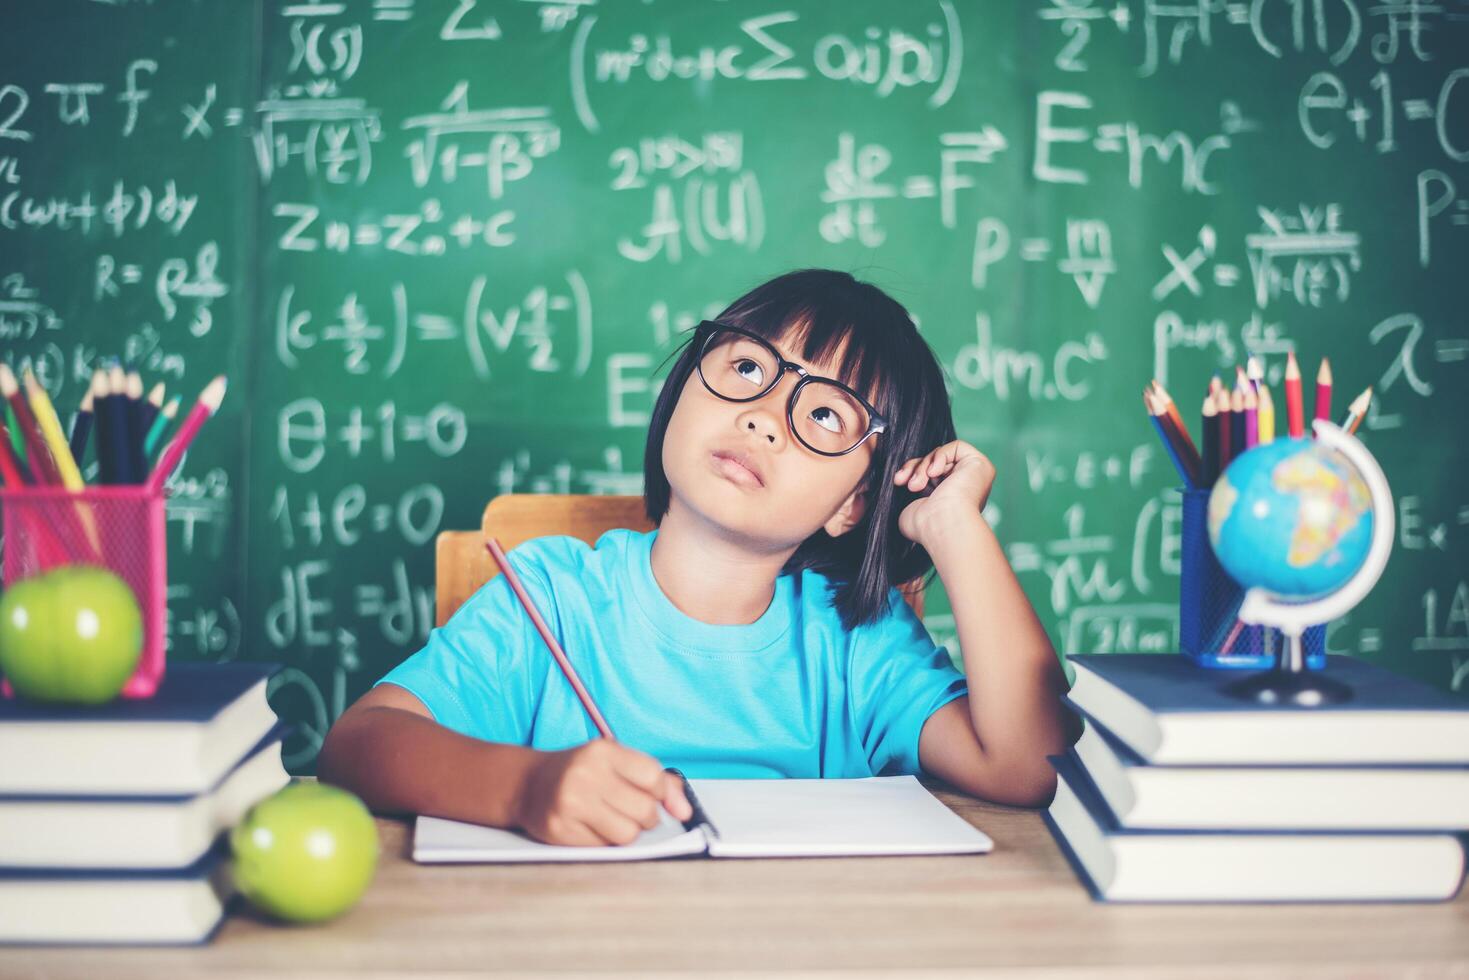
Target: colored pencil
<point>1237,421</point>
<point>1252,418</point>
<point>1210,428</point>
<point>1266,413</point>
<point>1294,410</point>
<point>49,427</point>
<point>1357,410</point>
<point>137,431</point>
<point>17,441</point>
<point>1172,441</point>
<point>66,467</point>
<point>1224,409</point>
<point>81,425</point>
<point>9,465</point>
<point>150,407</point>
<point>1323,390</point>
<point>160,426</point>
<point>206,405</point>
<point>513,578</point>
<point>43,468</point>
<point>1254,370</point>
<point>49,546</point>
<point>113,412</point>
<point>1165,402</point>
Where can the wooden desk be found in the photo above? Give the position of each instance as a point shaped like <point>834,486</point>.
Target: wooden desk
<point>1019,907</point>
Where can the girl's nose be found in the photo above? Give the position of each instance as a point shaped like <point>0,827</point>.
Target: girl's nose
<point>763,423</point>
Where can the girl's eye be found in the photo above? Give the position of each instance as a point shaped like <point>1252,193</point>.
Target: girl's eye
<point>827,419</point>
<point>744,363</point>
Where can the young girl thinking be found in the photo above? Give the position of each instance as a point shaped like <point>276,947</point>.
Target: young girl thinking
<point>801,463</point>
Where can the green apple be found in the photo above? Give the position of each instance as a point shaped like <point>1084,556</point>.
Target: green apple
<point>72,635</point>
<point>307,853</point>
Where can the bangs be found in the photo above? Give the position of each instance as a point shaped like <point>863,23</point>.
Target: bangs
<point>852,350</point>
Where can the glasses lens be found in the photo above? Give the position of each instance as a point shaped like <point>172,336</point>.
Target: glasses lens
<point>736,367</point>
<point>828,419</point>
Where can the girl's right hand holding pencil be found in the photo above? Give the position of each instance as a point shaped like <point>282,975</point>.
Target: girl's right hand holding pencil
<point>595,794</point>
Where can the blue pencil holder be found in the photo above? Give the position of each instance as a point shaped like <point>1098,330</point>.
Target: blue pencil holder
<point>1209,601</point>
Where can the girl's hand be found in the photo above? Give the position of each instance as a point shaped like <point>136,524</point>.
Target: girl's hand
<point>596,794</point>
<point>957,480</point>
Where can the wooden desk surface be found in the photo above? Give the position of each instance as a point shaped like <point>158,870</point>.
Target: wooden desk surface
<point>1019,907</point>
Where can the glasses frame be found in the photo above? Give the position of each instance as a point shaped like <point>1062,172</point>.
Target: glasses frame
<point>876,421</point>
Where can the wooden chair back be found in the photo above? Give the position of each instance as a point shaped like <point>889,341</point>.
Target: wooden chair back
<point>462,564</point>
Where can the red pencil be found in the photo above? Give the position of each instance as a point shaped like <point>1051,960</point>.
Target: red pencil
<point>1323,391</point>
<point>206,406</point>
<point>9,470</point>
<point>42,466</point>
<point>513,578</point>
<point>1294,410</point>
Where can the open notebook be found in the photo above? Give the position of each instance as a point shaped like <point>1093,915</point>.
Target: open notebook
<point>745,818</point>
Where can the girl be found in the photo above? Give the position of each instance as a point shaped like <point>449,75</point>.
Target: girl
<point>800,463</point>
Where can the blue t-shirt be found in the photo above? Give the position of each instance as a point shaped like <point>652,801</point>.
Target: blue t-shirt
<point>792,694</point>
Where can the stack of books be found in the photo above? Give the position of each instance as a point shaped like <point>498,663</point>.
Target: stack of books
<point>1177,791</point>
<point>114,819</point>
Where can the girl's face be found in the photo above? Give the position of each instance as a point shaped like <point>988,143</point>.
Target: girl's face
<point>783,492</point>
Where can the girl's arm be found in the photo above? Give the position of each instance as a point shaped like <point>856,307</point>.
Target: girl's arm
<point>388,749</point>
<point>994,742</point>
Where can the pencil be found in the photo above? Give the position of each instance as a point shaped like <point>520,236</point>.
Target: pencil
<point>1323,390</point>
<point>1171,440</point>
<point>50,428</point>
<point>1266,413</point>
<point>1210,427</point>
<point>1294,411</point>
<point>1252,418</point>
<point>43,468</point>
<point>1357,410</point>
<point>1237,421</point>
<point>17,441</point>
<point>9,465</point>
<point>66,467</point>
<point>149,409</point>
<point>1165,402</point>
<point>1223,408</point>
<point>81,426</point>
<point>114,411</point>
<point>137,430</point>
<point>513,578</point>
<point>204,407</point>
<point>160,426</point>
<point>1255,371</point>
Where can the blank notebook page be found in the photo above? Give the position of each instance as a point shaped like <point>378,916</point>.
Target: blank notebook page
<point>829,817</point>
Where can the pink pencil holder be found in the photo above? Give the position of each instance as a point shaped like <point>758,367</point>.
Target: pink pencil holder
<point>120,528</point>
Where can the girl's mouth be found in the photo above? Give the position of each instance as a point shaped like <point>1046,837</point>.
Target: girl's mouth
<point>729,466</point>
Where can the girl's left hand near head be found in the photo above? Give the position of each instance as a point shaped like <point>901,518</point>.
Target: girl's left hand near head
<point>954,481</point>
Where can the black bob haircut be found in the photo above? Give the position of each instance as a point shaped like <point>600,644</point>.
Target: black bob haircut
<point>886,360</point>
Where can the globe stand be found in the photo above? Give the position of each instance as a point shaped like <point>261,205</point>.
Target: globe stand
<point>1290,683</point>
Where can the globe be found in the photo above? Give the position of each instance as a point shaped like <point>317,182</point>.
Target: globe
<point>1293,517</point>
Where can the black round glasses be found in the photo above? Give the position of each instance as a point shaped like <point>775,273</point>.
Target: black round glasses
<point>826,416</point>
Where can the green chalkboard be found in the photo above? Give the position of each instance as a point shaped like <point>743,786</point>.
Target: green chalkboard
<point>441,247</point>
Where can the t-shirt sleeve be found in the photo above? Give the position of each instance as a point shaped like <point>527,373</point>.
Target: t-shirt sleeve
<point>478,673</point>
<point>898,678</point>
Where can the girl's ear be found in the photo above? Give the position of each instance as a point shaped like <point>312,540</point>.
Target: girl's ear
<point>849,514</point>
